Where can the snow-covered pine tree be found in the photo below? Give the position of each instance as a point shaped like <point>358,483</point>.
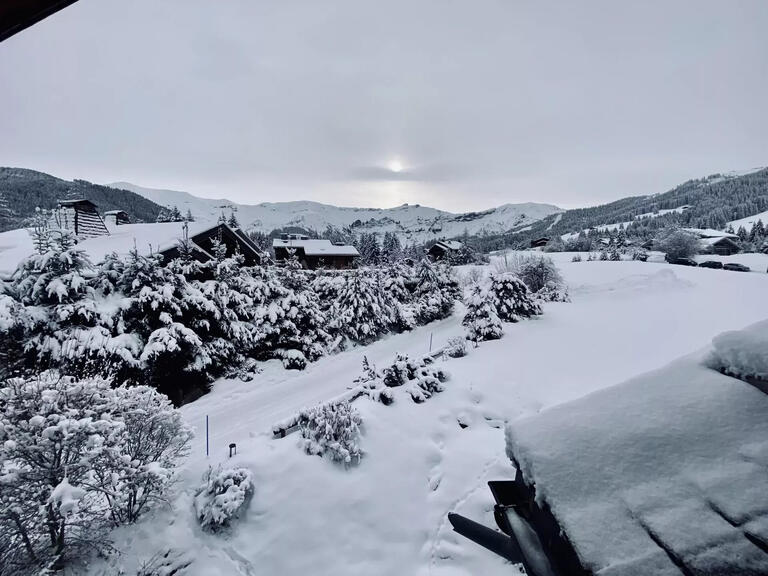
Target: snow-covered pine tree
<point>232,221</point>
<point>481,320</point>
<point>435,293</point>
<point>363,311</point>
<point>303,324</point>
<point>511,298</point>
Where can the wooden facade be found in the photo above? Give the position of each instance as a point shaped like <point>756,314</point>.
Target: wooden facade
<point>235,240</point>
<point>81,217</point>
<point>313,254</point>
<point>117,217</point>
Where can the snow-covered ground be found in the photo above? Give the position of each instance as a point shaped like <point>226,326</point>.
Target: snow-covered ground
<point>388,514</point>
<point>749,221</point>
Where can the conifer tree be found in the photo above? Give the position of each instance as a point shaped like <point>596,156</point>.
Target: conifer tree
<point>481,320</point>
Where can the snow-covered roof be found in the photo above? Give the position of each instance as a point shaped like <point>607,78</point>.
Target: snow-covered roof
<point>709,233</point>
<point>451,244</point>
<point>679,453</point>
<point>316,247</point>
<point>17,244</point>
<point>715,240</point>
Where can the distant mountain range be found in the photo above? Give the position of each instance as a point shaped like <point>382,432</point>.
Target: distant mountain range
<point>412,222</point>
<point>710,202</point>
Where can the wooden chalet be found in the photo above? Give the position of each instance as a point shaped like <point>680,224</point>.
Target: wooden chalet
<point>117,217</point>
<point>539,242</point>
<point>716,242</point>
<point>313,254</point>
<point>235,240</point>
<point>443,249</point>
<point>81,217</point>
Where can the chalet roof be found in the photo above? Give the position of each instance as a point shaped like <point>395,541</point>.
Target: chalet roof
<point>77,202</point>
<point>316,247</point>
<point>717,240</point>
<point>110,212</point>
<point>709,233</point>
<point>451,244</point>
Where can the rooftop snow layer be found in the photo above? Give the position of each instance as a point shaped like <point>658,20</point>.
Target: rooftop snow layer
<point>681,452</point>
<point>709,233</point>
<point>317,247</point>
<point>17,244</point>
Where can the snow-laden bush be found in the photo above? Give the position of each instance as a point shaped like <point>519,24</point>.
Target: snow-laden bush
<point>427,381</point>
<point>676,243</point>
<point>332,430</point>
<point>435,293</point>
<point>223,495</point>
<point>373,385</point>
<point>78,457</point>
<point>537,271</point>
<point>509,296</point>
<point>742,353</point>
<point>456,348</point>
<point>420,378</point>
<point>293,359</point>
<point>553,293</point>
<point>481,320</point>
<point>576,258</point>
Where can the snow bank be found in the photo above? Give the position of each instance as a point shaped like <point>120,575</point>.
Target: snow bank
<point>671,450</point>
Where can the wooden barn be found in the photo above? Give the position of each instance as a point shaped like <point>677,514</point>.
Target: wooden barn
<point>117,217</point>
<point>236,241</point>
<point>81,217</point>
<point>539,242</point>
<point>443,249</point>
<point>313,254</point>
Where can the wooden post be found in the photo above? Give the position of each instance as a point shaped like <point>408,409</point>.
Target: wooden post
<point>206,435</point>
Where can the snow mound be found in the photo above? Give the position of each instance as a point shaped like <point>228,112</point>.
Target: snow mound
<point>742,353</point>
<point>647,461</point>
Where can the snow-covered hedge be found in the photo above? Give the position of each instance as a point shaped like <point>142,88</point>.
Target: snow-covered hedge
<point>742,353</point>
<point>456,348</point>
<point>77,458</point>
<point>332,430</point>
<point>177,325</point>
<point>224,494</point>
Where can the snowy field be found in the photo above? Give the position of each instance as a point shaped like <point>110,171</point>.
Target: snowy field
<point>388,514</point>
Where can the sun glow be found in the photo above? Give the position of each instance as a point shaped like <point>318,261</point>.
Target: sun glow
<point>395,166</point>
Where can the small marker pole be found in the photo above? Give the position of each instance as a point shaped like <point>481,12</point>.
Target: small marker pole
<point>430,341</point>
<point>206,435</point>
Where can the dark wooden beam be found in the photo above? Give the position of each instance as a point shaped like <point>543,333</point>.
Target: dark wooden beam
<point>16,15</point>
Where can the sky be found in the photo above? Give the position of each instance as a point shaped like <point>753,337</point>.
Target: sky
<point>460,105</point>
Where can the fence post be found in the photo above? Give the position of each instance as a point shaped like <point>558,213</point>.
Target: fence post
<point>206,435</point>
<point>430,342</point>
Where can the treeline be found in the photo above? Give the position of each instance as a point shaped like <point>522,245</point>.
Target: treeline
<point>176,326</point>
<point>22,191</point>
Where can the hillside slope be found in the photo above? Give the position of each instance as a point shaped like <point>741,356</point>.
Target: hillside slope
<point>414,223</point>
<point>24,190</point>
<point>710,202</point>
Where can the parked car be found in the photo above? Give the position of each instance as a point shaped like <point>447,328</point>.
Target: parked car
<point>711,264</point>
<point>682,261</point>
<point>735,267</point>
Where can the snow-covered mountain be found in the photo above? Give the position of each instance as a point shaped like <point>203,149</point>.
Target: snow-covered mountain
<point>414,223</point>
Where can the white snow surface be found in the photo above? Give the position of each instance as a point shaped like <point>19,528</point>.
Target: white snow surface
<point>659,451</point>
<point>388,515</point>
<point>412,222</point>
<point>17,244</point>
<point>749,221</point>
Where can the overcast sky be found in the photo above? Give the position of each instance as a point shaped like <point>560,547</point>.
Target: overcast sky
<point>477,103</point>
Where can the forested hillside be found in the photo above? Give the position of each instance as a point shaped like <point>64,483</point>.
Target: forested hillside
<point>709,202</point>
<point>22,190</point>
